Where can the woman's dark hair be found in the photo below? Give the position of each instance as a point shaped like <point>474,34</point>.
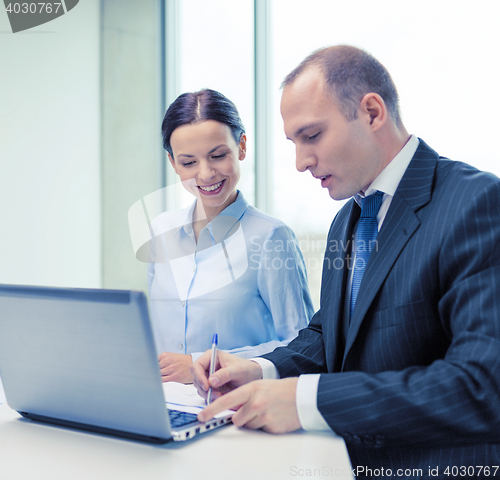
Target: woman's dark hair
<point>195,107</point>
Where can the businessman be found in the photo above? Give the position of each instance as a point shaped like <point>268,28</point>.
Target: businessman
<point>403,358</point>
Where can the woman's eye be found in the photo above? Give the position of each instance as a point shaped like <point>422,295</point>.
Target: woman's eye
<point>218,157</point>
<point>187,164</point>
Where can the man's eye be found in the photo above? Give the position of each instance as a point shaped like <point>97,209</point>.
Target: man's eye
<point>312,137</point>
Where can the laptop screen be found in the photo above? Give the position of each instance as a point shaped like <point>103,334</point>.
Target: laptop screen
<point>82,355</point>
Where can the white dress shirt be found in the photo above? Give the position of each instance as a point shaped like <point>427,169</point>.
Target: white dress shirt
<point>307,387</point>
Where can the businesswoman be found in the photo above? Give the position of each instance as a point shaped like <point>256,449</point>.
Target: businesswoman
<point>221,266</point>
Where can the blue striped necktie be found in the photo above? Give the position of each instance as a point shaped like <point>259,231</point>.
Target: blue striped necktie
<point>365,240</point>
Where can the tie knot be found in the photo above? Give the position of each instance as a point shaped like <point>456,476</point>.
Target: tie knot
<point>371,205</point>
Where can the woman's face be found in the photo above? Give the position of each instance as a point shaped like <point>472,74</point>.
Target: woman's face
<point>207,159</point>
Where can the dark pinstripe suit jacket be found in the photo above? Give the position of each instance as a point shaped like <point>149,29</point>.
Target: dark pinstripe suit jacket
<point>416,384</point>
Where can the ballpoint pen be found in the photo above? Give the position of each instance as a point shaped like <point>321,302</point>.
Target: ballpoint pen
<point>213,361</point>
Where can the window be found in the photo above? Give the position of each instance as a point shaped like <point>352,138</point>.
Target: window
<point>216,50</point>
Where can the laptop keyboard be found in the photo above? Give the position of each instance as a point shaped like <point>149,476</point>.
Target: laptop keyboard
<point>178,418</point>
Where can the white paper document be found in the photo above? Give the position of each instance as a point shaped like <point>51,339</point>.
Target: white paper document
<point>182,394</point>
<point>184,397</point>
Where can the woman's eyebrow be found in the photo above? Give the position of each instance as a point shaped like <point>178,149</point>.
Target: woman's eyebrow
<point>211,151</point>
<point>218,146</point>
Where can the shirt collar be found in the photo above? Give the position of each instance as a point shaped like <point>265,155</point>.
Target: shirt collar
<point>223,223</point>
<point>217,228</point>
<point>388,179</point>
<point>237,208</point>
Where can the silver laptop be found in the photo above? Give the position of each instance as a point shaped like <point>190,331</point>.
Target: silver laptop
<point>86,359</point>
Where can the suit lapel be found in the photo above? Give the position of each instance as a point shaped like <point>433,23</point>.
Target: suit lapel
<point>333,284</point>
<point>401,222</point>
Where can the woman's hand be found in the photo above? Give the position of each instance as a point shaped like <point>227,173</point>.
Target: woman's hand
<point>174,367</point>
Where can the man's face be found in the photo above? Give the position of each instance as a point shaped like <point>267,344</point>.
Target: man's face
<point>341,154</point>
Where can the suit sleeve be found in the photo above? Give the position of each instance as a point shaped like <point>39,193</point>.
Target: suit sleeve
<point>455,400</point>
<point>304,354</point>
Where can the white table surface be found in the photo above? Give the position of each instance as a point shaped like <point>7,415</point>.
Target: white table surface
<point>34,451</point>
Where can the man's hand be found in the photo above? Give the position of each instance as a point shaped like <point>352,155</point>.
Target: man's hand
<point>231,372</point>
<point>175,367</point>
<point>266,404</point>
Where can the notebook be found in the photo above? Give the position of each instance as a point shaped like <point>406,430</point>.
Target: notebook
<point>86,359</point>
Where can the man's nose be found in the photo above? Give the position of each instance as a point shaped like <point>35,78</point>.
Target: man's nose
<point>304,159</point>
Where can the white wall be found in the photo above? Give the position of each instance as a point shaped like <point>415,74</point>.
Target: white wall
<point>49,151</point>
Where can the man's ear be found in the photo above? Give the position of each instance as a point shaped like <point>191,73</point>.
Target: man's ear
<point>172,162</point>
<point>373,107</point>
<point>243,147</point>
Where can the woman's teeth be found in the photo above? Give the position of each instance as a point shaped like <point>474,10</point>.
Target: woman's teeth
<point>211,188</point>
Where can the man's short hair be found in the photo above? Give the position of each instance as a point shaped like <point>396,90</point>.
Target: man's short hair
<point>350,74</point>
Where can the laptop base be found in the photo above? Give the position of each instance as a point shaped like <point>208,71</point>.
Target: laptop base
<point>95,429</point>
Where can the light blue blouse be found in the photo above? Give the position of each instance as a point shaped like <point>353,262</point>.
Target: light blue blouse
<point>245,280</point>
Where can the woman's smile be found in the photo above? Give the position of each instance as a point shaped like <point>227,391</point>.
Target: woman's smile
<point>212,189</point>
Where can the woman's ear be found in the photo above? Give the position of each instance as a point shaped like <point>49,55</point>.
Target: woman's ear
<point>172,162</point>
<point>243,147</point>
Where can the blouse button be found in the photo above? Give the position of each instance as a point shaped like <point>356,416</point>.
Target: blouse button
<point>181,346</point>
<point>183,303</point>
